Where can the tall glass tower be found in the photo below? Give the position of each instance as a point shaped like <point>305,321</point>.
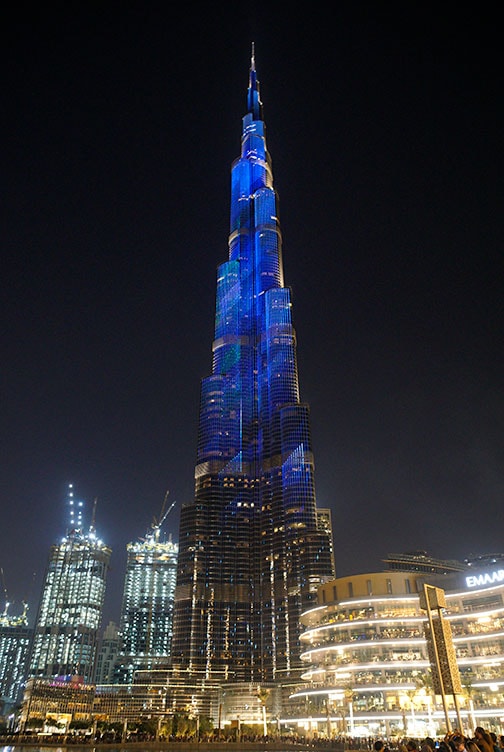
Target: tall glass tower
<point>251,550</point>
<point>147,606</point>
<point>70,610</point>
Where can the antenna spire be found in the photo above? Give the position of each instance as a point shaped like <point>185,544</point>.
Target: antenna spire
<point>254,104</point>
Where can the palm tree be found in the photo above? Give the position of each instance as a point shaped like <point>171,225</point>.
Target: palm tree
<point>263,693</point>
<point>424,682</point>
<point>349,698</point>
<point>469,693</point>
<point>411,693</point>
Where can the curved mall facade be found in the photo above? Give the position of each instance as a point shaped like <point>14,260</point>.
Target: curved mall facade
<point>368,671</point>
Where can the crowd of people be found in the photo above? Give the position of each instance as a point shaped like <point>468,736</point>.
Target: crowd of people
<point>455,741</point>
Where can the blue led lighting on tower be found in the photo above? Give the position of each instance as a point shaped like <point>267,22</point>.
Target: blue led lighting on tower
<point>251,551</point>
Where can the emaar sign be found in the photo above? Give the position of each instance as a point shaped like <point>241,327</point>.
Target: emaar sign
<point>488,578</point>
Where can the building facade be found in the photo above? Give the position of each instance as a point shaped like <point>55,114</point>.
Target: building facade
<point>107,655</point>
<point>146,624</point>
<point>252,553</point>
<point>52,704</point>
<point>367,662</point>
<point>71,605</point>
<point>15,640</point>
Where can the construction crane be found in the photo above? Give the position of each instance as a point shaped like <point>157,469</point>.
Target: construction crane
<point>7,604</point>
<point>93,517</point>
<point>156,524</point>
<point>150,538</point>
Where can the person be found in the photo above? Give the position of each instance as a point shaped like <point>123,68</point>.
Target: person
<point>471,746</point>
<point>458,743</point>
<point>495,741</point>
<point>483,739</point>
<point>427,745</point>
<point>378,745</point>
<point>411,745</point>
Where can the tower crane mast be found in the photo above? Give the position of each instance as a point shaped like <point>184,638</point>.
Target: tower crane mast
<point>156,524</point>
<point>7,604</point>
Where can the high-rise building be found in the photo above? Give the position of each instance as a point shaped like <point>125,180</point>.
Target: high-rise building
<point>324,522</point>
<point>146,623</point>
<point>106,656</point>
<point>251,549</point>
<point>15,639</point>
<point>71,605</point>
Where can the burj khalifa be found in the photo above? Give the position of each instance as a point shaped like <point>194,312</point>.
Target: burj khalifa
<point>252,549</point>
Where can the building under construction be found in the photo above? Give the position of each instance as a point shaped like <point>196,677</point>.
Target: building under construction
<point>15,639</point>
<point>148,600</point>
<point>71,605</point>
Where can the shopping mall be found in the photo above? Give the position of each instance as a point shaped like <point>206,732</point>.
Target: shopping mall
<point>368,671</point>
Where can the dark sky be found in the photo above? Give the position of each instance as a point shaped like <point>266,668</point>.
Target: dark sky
<point>119,125</point>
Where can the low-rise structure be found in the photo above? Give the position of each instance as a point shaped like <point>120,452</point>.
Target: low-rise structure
<point>368,669</point>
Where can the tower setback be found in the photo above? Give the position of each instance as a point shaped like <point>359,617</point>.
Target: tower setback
<point>251,549</point>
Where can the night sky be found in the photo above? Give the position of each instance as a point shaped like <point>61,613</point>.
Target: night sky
<point>119,125</point>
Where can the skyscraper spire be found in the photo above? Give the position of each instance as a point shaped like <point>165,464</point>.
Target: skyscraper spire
<point>251,553</point>
<point>254,104</point>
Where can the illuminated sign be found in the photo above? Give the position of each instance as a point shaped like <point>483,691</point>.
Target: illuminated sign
<point>488,578</point>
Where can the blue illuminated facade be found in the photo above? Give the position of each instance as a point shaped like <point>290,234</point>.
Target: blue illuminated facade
<point>251,553</point>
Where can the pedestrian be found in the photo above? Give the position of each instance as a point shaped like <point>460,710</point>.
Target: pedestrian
<point>483,739</point>
<point>458,743</point>
<point>427,745</point>
<point>495,741</point>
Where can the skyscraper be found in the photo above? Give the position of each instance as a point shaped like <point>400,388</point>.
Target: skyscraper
<point>71,605</point>
<point>251,552</point>
<point>15,639</point>
<point>106,656</point>
<point>147,606</point>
